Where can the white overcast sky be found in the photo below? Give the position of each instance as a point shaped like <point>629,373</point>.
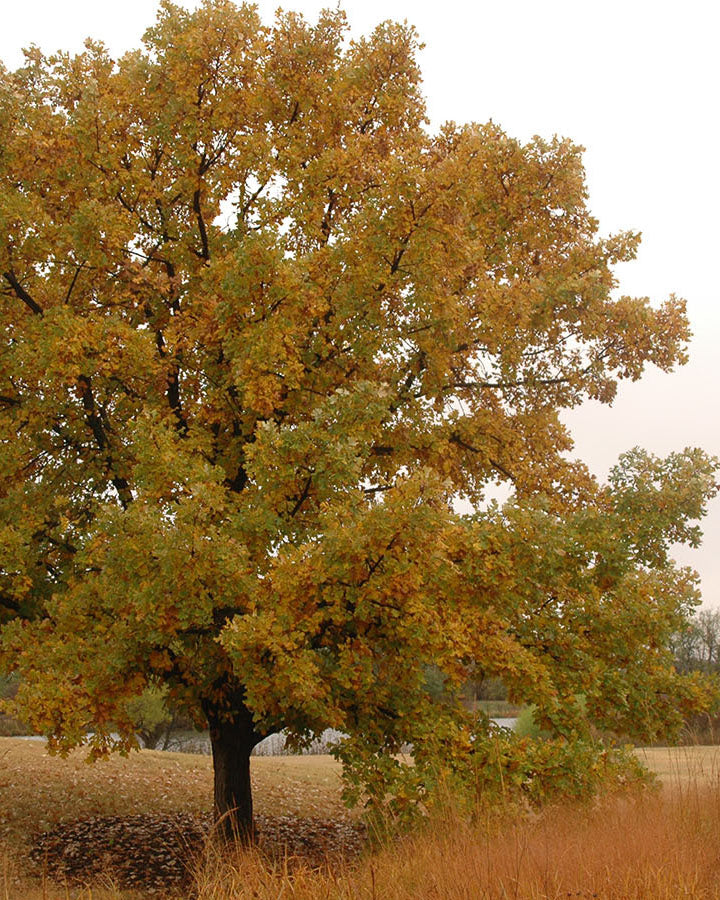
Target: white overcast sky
<point>634,81</point>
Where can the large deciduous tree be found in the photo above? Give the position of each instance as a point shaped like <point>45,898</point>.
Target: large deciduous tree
<point>259,331</point>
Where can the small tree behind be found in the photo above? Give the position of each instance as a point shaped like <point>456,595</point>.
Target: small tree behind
<point>153,721</point>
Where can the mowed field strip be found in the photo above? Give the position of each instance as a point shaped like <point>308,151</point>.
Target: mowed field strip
<point>678,766</point>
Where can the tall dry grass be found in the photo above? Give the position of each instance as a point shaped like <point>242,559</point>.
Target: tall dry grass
<point>654,846</point>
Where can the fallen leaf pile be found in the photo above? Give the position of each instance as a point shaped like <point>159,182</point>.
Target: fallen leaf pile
<point>158,853</point>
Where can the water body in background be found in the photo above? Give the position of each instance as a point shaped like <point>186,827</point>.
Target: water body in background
<point>505,722</point>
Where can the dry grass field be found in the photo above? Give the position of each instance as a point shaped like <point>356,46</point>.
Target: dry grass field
<point>44,790</point>
<point>661,844</point>
<point>683,766</point>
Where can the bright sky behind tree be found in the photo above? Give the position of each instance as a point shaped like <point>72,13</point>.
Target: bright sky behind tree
<point>635,82</point>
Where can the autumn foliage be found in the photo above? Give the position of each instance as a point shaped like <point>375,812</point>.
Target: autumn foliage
<point>260,330</point>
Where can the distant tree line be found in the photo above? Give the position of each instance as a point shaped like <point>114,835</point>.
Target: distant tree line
<point>697,647</point>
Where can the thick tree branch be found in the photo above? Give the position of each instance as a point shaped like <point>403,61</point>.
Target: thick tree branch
<point>22,294</point>
<point>8,603</point>
<point>238,482</point>
<point>92,418</point>
<point>326,224</point>
<point>173,396</point>
<point>303,496</point>
<point>456,439</point>
<point>78,270</point>
<point>377,489</point>
<point>95,424</point>
<point>506,385</point>
<point>205,254</point>
<point>173,388</point>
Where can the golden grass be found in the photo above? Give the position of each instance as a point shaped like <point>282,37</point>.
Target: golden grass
<point>661,844</point>
<point>650,848</point>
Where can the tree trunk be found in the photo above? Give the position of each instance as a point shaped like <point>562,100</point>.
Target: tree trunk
<point>232,737</point>
<point>168,731</point>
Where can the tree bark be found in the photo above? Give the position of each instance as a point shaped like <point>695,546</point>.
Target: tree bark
<point>232,737</point>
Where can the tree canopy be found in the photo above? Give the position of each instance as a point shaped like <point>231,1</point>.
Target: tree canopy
<point>259,330</point>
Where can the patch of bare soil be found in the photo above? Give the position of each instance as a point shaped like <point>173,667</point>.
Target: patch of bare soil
<point>157,853</point>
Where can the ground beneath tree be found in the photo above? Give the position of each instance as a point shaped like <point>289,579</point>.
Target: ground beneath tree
<point>157,853</point>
